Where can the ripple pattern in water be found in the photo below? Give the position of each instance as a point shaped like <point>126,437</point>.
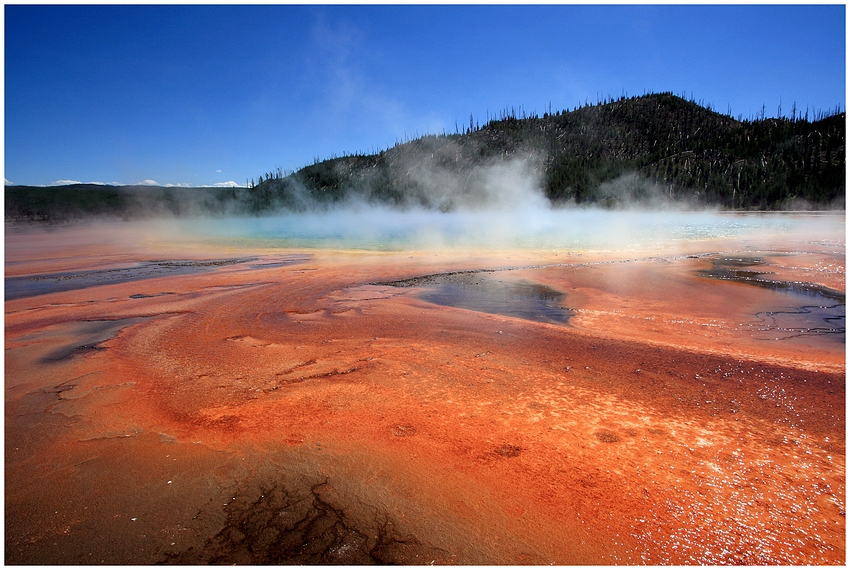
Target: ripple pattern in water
<point>810,309</point>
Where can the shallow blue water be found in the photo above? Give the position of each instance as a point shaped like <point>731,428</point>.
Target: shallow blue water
<point>541,228</point>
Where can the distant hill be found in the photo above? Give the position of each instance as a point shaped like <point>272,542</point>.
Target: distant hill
<point>652,149</point>
<point>78,201</point>
<point>649,148</point>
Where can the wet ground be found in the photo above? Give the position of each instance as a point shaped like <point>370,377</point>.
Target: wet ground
<point>413,408</point>
<point>810,310</point>
<point>29,285</point>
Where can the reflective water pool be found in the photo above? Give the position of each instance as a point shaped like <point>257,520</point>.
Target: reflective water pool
<point>482,291</point>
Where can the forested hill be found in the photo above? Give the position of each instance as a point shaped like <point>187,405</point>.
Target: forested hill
<point>652,149</point>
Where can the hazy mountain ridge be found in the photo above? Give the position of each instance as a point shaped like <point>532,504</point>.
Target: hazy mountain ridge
<point>651,150</point>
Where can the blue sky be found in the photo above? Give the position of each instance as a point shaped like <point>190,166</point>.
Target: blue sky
<point>202,95</point>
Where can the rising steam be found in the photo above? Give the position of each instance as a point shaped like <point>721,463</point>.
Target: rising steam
<point>495,205</point>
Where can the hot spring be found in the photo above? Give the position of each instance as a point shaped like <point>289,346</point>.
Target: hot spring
<point>381,229</point>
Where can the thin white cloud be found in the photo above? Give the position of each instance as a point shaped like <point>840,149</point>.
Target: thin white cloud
<point>148,182</point>
<point>8,182</point>
<point>351,94</point>
<point>218,170</point>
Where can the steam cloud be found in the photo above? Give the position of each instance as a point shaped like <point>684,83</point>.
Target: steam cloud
<point>496,205</point>
<point>509,184</point>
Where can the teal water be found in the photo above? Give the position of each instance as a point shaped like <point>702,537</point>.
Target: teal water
<point>565,229</point>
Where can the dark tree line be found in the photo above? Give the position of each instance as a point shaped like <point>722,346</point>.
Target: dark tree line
<point>682,150</point>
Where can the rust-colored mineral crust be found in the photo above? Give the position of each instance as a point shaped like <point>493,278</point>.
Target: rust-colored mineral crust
<point>294,406</point>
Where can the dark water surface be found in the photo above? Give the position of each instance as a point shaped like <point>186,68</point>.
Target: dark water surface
<point>481,291</point>
<point>731,269</point>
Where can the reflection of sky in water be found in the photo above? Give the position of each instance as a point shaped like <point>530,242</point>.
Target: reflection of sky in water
<point>826,321</point>
<point>512,298</point>
<point>383,229</point>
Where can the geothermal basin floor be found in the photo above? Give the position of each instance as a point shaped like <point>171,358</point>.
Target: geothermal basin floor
<point>313,406</point>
